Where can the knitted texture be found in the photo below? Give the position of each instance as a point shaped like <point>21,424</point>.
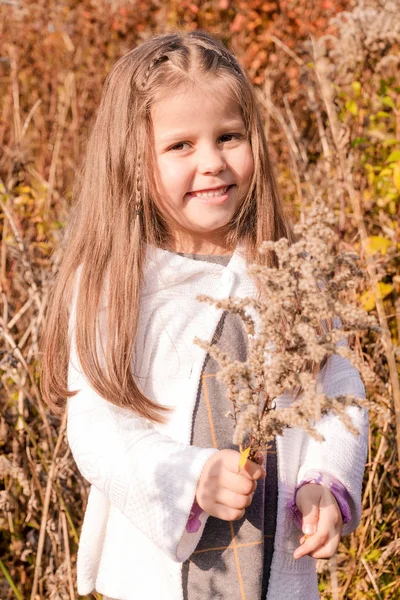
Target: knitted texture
<point>144,476</point>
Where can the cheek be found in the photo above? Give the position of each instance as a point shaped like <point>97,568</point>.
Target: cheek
<point>169,185</point>
<point>248,167</point>
<point>171,174</point>
<point>244,165</point>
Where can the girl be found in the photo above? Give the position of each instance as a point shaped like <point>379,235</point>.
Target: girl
<point>175,196</point>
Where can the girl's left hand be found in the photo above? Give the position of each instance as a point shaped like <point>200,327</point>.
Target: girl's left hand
<point>322,521</point>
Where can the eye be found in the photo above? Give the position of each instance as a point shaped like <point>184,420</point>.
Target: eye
<point>228,137</point>
<point>178,146</point>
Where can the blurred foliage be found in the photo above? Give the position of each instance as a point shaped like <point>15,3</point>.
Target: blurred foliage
<point>54,57</point>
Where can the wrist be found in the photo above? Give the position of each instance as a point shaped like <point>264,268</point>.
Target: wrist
<point>336,488</point>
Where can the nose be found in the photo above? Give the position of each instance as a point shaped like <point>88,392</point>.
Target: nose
<point>211,160</point>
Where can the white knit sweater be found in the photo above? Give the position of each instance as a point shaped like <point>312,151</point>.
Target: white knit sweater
<point>144,476</point>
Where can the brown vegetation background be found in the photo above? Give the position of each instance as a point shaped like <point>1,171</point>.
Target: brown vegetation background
<point>329,87</point>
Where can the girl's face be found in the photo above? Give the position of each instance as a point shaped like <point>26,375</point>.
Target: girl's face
<point>204,164</point>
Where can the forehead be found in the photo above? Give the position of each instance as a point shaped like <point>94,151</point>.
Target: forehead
<point>195,103</point>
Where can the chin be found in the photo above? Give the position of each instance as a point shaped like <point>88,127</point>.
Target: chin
<point>210,226</point>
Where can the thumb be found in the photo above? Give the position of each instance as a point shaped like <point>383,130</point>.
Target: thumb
<point>308,505</point>
<point>254,470</point>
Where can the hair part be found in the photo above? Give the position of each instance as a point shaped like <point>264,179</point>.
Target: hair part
<point>116,214</point>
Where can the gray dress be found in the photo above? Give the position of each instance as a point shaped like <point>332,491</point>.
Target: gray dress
<point>232,560</point>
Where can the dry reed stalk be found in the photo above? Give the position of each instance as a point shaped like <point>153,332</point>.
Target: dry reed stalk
<point>63,108</point>
<point>18,354</point>
<point>15,92</point>
<point>296,152</point>
<point>42,533</point>
<point>3,261</point>
<point>29,117</point>
<point>29,275</point>
<point>5,114</point>
<point>36,297</point>
<point>334,578</point>
<point>375,464</point>
<point>365,528</point>
<point>19,426</point>
<point>285,48</point>
<point>19,314</point>
<point>372,578</point>
<point>34,474</point>
<point>67,554</point>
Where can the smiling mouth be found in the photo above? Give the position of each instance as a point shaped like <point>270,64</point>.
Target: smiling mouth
<point>213,193</point>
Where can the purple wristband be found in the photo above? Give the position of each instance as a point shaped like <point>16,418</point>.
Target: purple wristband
<point>194,523</point>
<point>338,490</point>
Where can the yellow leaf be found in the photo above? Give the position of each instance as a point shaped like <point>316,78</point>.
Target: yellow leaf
<point>385,171</point>
<point>244,455</point>
<point>377,243</point>
<point>396,175</point>
<point>367,299</point>
<point>356,85</point>
<point>393,156</point>
<point>352,107</point>
<point>22,189</point>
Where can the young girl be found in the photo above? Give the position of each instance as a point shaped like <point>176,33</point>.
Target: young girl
<point>176,194</point>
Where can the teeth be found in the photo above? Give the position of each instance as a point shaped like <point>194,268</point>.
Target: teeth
<point>215,194</point>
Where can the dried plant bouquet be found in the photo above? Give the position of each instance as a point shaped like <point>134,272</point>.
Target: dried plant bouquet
<point>305,314</point>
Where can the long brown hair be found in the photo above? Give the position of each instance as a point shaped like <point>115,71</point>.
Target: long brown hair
<point>115,215</point>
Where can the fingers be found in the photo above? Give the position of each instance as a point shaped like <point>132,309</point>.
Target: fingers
<point>236,482</point>
<point>232,500</point>
<point>320,545</point>
<point>308,499</point>
<point>311,544</point>
<point>328,549</point>
<point>232,493</point>
<point>223,492</point>
<point>227,514</point>
<point>325,541</point>
<point>330,511</point>
<point>253,470</point>
<point>229,459</point>
<point>310,520</point>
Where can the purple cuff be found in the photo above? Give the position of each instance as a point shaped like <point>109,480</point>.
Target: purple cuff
<point>338,490</point>
<point>193,524</point>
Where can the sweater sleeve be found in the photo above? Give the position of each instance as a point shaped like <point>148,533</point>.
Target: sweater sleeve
<point>150,478</point>
<point>342,455</point>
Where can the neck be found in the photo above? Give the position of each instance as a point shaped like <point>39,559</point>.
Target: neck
<point>200,246</point>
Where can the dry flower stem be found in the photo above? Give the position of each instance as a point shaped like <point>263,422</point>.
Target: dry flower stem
<point>291,333</point>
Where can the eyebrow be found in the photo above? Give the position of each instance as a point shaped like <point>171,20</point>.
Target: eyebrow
<point>183,134</point>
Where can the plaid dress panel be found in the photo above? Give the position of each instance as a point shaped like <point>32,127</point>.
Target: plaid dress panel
<point>232,560</point>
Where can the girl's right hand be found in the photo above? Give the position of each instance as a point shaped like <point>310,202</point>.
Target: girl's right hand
<point>222,491</point>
